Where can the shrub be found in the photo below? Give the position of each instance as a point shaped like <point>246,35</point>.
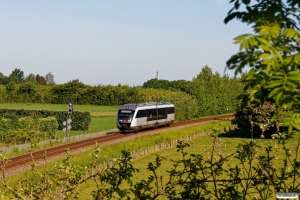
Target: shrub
<point>258,116</point>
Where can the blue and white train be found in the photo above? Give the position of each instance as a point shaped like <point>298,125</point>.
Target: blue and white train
<point>135,117</point>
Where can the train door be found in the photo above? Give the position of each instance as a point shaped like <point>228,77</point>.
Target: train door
<point>151,117</point>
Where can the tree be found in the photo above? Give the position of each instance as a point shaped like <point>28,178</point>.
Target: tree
<point>40,80</point>
<point>49,79</point>
<point>13,78</point>
<point>3,79</point>
<point>18,73</point>
<point>272,53</point>
<point>205,74</point>
<point>11,86</point>
<point>68,92</point>
<point>11,89</point>
<point>31,79</point>
<point>165,84</point>
<point>28,89</point>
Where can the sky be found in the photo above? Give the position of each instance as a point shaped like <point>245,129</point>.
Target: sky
<point>112,42</point>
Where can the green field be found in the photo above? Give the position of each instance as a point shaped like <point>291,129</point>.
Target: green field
<point>98,124</point>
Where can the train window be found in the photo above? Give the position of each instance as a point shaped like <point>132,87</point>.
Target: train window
<point>162,113</point>
<point>126,112</point>
<point>151,114</point>
<point>141,113</point>
<point>171,110</point>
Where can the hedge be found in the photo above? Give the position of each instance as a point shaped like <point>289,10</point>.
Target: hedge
<point>26,128</point>
<point>80,120</point>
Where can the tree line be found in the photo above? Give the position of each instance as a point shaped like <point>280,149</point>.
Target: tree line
<point>17,76</point>
<point>215,94</point>
<point>207,94</point>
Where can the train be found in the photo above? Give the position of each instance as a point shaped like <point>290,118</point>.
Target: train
<point>139,116</point>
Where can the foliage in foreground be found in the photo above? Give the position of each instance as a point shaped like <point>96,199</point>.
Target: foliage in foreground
<point>272,53</point>
<point>258,175</point>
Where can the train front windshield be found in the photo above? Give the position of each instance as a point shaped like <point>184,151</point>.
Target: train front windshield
<point>125,116</point>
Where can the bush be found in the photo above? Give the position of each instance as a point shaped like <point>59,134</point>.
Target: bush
<point>259,117</point>
<point>48,125</point>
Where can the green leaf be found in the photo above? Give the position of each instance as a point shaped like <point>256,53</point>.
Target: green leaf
<point>292,33</point>
<point>275,92</point>
<point>241,38</point>
<point>278,78</point>
<point>296,123</point>
<point>265,47</point>
<point>264,55</point>
<point>297,58</point>
<point>288,60</point>
<point>294,75</point>
<point>292,84</point>
<point>279,97</point>
<point>273,84</point>
<point>287,88</point>
<point>263,41</point>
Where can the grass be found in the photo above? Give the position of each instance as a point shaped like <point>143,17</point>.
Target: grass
<point>98,124</point>
<point>103,123</point>
<point>200,145</point>
<point>203,146</point>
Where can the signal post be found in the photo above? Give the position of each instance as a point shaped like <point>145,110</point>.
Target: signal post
<point>68,121</point>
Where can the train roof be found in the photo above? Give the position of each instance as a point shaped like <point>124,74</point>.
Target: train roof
<point>147,104</point>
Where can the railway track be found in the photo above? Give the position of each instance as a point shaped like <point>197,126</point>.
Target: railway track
<point>21,160</point>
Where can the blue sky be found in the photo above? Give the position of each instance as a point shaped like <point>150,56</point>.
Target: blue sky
<point>116,41</point>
